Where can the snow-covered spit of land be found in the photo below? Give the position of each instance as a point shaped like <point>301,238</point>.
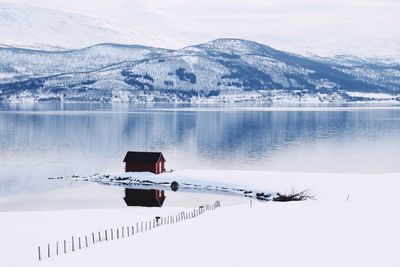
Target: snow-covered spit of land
<point>352,222</point>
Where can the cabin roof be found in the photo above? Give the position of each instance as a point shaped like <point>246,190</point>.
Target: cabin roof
<point>143,157</point>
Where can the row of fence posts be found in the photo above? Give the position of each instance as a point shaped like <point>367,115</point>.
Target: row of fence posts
<point>122,232</point>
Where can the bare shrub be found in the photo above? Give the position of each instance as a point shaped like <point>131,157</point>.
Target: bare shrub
<point>293,196</point>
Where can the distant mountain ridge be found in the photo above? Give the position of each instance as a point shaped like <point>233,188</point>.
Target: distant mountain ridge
<point>65,24</point>
<point>220,70</point>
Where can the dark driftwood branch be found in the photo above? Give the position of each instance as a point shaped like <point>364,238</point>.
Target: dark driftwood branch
<point>294,196</point>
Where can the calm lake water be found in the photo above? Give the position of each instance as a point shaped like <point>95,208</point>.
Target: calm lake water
<point>45,140</point>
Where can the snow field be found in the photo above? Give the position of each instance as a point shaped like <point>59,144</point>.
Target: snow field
<point>353,222</point>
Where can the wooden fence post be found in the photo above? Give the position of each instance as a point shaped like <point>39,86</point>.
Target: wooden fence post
<point>48,250</point>
<point>112,234</point>
<point>127,230</point>
<point>73,245</point>
<point>86,241</point>
<point>57,248</point>
<point>117,233</point>
<point>80,247</point>
<point>40,258</point>
<point>65,247</point>
<point>99,237</point>
<point>122,232</point>
<point>93,237</point>
<point>105,232</point>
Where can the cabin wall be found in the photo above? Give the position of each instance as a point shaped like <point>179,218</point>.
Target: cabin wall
<point>156,168</point>
<point>140,167</point>
<point>160,166</point>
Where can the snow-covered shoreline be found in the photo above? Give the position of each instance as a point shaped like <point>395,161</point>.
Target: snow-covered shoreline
<point>323,185</point>
<point>276,97</point>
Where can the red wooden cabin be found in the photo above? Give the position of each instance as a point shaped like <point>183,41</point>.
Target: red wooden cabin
<point>144,162</point>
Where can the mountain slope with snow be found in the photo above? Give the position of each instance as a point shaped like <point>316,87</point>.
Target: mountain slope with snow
<point>223,67</point>
<point>32,27</point>
<point>73,24</point>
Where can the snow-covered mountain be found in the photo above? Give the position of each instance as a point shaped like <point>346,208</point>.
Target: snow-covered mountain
<point>73,24</point>
<point>221,70</point>
<point>25,26</point>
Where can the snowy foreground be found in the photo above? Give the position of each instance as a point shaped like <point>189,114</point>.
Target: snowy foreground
<point>353,222</point>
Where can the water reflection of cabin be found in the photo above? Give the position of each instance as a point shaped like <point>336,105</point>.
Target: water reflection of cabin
<point>144,197</point>
<point>144,161</point>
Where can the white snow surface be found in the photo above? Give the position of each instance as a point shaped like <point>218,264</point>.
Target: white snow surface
<point>353,222</point>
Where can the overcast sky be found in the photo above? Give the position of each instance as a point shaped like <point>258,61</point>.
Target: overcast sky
<point>314,23</point>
